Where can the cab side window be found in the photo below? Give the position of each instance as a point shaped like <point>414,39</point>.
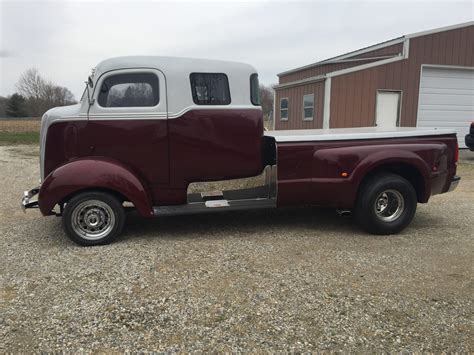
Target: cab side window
<point>210,89</point>
<point>129,90</point>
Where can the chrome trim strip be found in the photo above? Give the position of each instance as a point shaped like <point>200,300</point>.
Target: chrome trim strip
<point>170,115</point>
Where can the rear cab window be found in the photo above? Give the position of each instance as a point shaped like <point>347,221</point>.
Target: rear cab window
<point>255,90</point>
<point>210,88</point>
<point>129,90</point>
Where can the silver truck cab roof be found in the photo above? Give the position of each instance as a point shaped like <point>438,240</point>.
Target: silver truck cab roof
<point>177,71</point>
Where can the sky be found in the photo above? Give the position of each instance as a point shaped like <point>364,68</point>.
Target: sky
<point>64,40</point>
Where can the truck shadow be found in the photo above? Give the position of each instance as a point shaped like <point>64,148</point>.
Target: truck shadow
<point>230,224</point>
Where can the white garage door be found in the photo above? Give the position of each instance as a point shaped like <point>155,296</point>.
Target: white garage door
<point>447,99</point>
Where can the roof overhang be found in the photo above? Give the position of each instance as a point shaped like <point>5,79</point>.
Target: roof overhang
<point>310,80</point>
<point>440,29</point>
<point>374,47</point>
<point>345,56</point>
<point>395,58</point>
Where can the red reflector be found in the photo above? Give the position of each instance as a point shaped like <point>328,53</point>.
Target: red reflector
<point>456,155</point>
<point>344,174</point>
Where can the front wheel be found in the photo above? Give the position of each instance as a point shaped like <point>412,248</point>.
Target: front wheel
<point>386,204</point>
<point>93,218</point>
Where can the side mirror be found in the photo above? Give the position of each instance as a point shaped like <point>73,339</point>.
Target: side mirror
<point>89,81</point>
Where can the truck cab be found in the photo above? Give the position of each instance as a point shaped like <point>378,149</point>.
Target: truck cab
<point>148,127</point>
<point>171,121</point>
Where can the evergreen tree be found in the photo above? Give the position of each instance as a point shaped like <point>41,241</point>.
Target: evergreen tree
<point>16,106</point>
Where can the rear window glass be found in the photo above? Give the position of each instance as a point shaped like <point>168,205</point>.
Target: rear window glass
<point>210,89</point>
<point>129,90</point>
<point>255,90</point>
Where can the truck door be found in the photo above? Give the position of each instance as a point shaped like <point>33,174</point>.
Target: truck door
<point>128,121</point>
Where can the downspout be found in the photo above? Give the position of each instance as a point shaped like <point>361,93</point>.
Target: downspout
<point>327,103</point>
<point>274,107</point>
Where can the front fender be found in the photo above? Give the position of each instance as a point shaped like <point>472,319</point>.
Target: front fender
<point>93,173</point>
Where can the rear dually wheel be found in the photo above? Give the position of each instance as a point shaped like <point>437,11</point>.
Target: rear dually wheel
<point>386,204</point>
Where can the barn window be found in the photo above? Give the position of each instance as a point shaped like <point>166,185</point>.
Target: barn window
<point>210,89</point>
<point>284,109</point>
<point>254,90</point>
<point>129,90</point>
<point>308,107</point>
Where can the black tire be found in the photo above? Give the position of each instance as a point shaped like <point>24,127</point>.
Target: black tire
<point>391,191</point>
<point>90,209</point>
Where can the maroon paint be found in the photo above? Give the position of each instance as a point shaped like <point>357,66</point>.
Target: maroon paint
<point>212,145</point>
<point>206,145</point>
<point>142,145</point>
<point>62,144</point>
<point>310,173</point>
<point>93,173</point>
<point>152,162</point>
<point>202,145</point>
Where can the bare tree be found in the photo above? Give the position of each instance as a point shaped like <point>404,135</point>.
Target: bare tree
<point>3,106</point>
<point>57,95</point>
<point>31,84</point>
<point>64,96</point>
<point>41,94</point>
<point>266,99</point>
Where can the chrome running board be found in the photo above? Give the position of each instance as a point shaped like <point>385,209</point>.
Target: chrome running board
<point>214,206</point>
<point>231,200</point>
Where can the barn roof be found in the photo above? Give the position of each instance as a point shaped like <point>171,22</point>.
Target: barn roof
<point>377,46</point>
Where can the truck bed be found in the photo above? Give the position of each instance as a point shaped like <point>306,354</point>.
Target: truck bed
<point>344,134</point>
<point>310,162</point>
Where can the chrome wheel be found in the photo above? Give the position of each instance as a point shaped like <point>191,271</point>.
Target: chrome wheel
<point>389,205</point>
<point>93,219</point>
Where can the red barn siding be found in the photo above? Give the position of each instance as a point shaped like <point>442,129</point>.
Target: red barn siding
<point>455,47</point>
<point>295,106</point>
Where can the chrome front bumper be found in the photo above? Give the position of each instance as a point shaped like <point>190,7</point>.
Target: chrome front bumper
<point>26,201</point>
<point>454,183</point>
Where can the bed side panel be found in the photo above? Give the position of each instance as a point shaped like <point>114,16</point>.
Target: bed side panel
<point>312,172</point>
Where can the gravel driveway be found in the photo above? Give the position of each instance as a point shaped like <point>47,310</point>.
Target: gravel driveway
<point>295,279</point>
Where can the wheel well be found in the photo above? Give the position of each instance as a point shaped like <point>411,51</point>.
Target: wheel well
<point>114,193</point>
<point>407,171</point>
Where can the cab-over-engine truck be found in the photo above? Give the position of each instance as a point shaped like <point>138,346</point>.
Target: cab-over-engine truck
<point>148,127</point>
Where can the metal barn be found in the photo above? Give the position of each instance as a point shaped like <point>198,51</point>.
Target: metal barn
<point>424,79</point>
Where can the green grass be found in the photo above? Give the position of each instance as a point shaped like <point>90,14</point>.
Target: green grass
<point>11,138</point>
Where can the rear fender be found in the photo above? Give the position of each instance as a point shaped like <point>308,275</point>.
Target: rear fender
<point>101,173</point>
<point>328,164</point>
<point>387,157</point>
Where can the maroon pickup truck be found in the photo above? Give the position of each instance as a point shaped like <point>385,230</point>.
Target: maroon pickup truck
<point>148,127</point>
